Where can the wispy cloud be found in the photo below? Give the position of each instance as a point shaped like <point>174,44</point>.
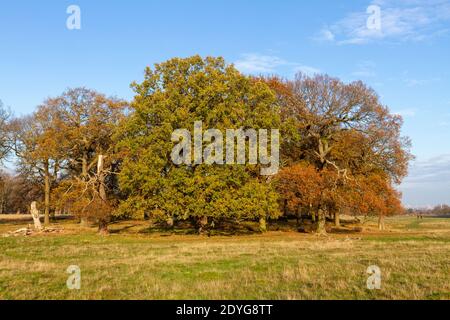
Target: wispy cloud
<point>410,82</point>
<point>306,70</point>
<point>428,182</point>
<point>406,113</point>
<point>253,63</point>
<point>259,63</point>
<point>365,69</point>
<point>433,170</point>
<point>325,35</point>
<point>401,20</point>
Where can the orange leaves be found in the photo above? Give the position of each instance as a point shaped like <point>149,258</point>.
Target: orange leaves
<point>303,186</point>
<point>379,196</point>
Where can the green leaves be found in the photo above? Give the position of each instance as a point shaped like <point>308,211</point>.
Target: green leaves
<point>173,96</point>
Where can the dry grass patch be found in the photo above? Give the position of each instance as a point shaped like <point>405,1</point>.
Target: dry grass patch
<point>276,265</point>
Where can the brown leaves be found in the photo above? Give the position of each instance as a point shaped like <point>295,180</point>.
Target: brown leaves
<point>305,187</point>
<point>326,121</point>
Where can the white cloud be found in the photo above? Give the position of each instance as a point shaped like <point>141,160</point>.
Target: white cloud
<point>252,62</point>
<point>259,63</point>
<point>401,20</point>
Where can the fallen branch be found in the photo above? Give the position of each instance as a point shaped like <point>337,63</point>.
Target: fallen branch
<point>29,232</point>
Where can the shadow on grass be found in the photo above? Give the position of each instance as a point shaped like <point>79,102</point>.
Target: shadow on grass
<point>353,230</point>
<point>223,228</point>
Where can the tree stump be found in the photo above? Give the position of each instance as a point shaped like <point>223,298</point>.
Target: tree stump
<point>35,214</point>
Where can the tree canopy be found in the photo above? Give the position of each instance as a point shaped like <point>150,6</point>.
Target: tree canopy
<point>103,158</point>
<point>342,128</point>
<point>174,95</point>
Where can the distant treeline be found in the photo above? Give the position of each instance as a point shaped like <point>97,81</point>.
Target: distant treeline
<point>439,210</point>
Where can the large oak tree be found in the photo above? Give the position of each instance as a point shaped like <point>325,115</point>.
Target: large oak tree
<point>344,127</point>
<point>174,95</point>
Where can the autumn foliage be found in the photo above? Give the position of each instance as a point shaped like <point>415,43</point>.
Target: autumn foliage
<point>102,158</point>
<point>343,149</point>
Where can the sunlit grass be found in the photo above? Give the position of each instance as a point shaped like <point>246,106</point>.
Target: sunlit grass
<point>413,257</point>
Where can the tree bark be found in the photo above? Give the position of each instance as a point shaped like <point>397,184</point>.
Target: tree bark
<point>35,214</point>
<point>84,177</point>
<point>381,226</point>
<point>46,194</point>
<point>84,222</point>
<point>337,220</point>
<point>103,221</point>
<point>84,166</point>
<point>170,222</point>
<point>202,223</point>
<point>2,196</point>
<point>321,222</point>
<point>262,224</point>
<point>103,226</point>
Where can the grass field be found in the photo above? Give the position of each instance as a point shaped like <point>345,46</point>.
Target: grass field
<point>413,255</point>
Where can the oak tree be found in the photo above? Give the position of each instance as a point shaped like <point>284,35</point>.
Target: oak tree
<point>174,95</point>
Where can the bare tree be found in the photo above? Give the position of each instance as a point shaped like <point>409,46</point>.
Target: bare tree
<point>5,145</point>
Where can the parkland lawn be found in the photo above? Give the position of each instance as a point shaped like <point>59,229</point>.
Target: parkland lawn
<point>133,263</point>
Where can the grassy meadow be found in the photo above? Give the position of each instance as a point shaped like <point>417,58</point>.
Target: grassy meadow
<point>133,263</point>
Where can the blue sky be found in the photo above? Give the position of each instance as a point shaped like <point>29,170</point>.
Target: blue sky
<point>406,61</point>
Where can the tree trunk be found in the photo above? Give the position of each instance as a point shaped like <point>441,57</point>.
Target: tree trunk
<point>84,177</point>
<point>56,211</point>
<point>381,222</point>
<point>84,166</point>
<point>321,221</point>
<point>285,209</point>
<point>262,224</point>
<point>170,222</point>
<point>46,194</point>
<point>103,221</point>
<point>84,222</point>
<point>35,214</point>
<point>103,226</point>
<point>2,196</point>
<point>337,220</point>
<point>202,223</point>
<point>53,215</point>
